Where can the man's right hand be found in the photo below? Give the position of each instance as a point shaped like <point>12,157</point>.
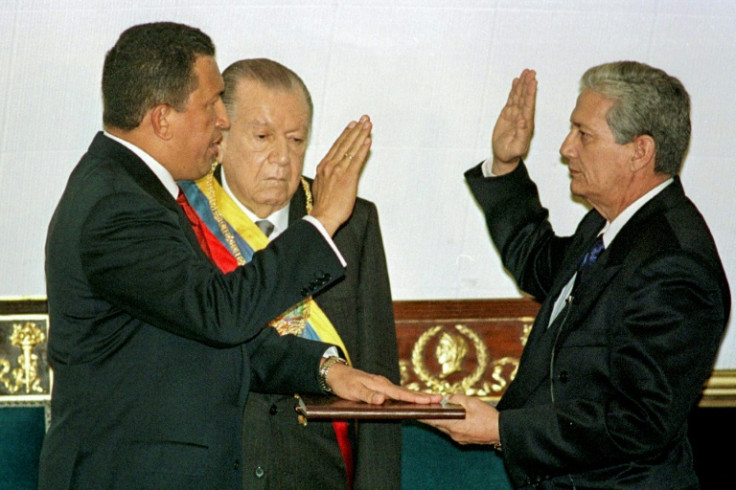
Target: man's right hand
<point>513,131</point>
<point>335,186</point>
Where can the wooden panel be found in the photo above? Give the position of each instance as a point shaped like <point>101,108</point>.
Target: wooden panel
<point>467,346</point>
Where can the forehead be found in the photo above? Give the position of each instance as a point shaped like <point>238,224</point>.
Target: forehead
<point>591,109</point>
<point>209,80</point>
<point>256,99</point>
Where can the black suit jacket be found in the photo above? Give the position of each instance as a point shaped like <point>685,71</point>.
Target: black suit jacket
<point>281,455</point>
<point>152,346</point>
<point>601,397</point>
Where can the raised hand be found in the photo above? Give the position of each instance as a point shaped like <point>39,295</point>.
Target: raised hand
<point>515,125</point>
<point>335,186</point>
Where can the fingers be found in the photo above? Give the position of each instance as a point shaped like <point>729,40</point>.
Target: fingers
<point>402,394</point>
<point>336,181</point>
<point>513,130</point>
<point>480,425</point>
<point>354,384</point>
<point>378,389</point>
<point>527,96</point>
<point>522,96</point>
<point>352,145</point>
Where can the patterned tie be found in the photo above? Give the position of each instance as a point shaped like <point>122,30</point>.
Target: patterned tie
<point>590,258</point>
<point>265,226</point>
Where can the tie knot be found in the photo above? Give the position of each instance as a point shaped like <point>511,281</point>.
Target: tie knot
<point>265,226</point>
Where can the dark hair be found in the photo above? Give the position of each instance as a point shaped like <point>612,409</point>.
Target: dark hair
<point>646,101</point>
<point>150,64</point>
<point>271,74</point>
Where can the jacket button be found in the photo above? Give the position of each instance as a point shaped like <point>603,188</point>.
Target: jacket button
<point>563,376</point>
<point>236,465</point>
<point>259,472</point>
<point>273,410</point>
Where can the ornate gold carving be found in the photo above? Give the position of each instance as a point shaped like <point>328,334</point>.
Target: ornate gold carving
<point>450,353</point>
<point>502,381</point>
<point>25,377</point>
<point>527,328</point>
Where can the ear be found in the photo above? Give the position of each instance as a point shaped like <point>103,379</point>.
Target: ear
<point>159,118</point>
<point>645,150</point>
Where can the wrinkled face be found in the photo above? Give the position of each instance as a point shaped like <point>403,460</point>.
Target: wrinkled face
<point>197,130</point>
<point>263,153</point>
<point>600,169</point>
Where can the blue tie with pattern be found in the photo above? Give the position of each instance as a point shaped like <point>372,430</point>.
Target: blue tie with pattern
<point>589,260</point>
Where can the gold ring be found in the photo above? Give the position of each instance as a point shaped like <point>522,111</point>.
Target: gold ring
<point>348,156</point>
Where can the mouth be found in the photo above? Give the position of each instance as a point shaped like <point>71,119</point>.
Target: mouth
<point>215,147</point>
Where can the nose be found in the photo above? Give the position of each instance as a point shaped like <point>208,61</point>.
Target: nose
<point>222,120</point>
<point>280,152</point>
<point>567,149</point>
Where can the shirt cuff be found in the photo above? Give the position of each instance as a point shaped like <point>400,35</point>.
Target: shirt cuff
<point>331,352</point>
<point>328,238</point>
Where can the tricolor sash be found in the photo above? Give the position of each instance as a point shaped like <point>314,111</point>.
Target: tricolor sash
<point>241,237</point>
<point>230,239</point>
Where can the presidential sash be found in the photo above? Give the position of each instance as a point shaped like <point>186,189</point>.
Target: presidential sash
<point>237,233</point>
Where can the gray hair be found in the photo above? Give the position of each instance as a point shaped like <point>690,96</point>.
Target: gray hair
<point>269,73</point>
<point>647,101</point>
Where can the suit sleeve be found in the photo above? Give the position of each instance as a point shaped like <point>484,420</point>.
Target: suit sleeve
<point>379,444</point>
<point>137,256</point>
<point>519,227</point>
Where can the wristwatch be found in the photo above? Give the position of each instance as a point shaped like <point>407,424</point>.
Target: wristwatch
<point>322,377</point>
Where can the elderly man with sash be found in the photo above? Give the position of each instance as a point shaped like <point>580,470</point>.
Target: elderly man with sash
<point>245,202</point>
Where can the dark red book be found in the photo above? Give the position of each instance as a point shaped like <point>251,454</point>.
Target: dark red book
<point>332,407</point>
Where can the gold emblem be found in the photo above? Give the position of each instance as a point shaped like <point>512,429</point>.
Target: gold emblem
<point>24,378</point>
<point>451,354</point>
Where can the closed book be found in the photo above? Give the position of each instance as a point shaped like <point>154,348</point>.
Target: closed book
<point>332,407</point>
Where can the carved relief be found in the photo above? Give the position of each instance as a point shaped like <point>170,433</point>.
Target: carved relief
<point>456,359</point>
<point>24,372</point>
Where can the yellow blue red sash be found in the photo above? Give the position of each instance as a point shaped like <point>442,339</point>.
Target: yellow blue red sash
<point>234,228</point>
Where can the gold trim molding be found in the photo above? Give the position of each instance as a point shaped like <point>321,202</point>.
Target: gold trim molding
<point>720,389</point>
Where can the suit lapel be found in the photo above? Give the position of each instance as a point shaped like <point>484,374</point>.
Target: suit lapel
<point>535,359</point>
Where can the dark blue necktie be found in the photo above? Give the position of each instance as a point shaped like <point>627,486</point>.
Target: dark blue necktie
<point>589,259</point>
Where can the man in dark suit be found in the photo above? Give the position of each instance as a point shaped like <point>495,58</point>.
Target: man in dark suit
<point>260,178</point>
<point>617,358</point>
<point>154,349</point>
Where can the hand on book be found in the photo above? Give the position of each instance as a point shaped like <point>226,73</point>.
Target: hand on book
<point>480,425</point>
<point>354,384</point>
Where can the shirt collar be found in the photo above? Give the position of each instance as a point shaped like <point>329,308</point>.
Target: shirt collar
<point>280,218</point>
<point>159,170</point>
<point>611,229</point>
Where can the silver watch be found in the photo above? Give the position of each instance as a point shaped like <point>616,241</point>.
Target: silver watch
<point>322,377</point>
